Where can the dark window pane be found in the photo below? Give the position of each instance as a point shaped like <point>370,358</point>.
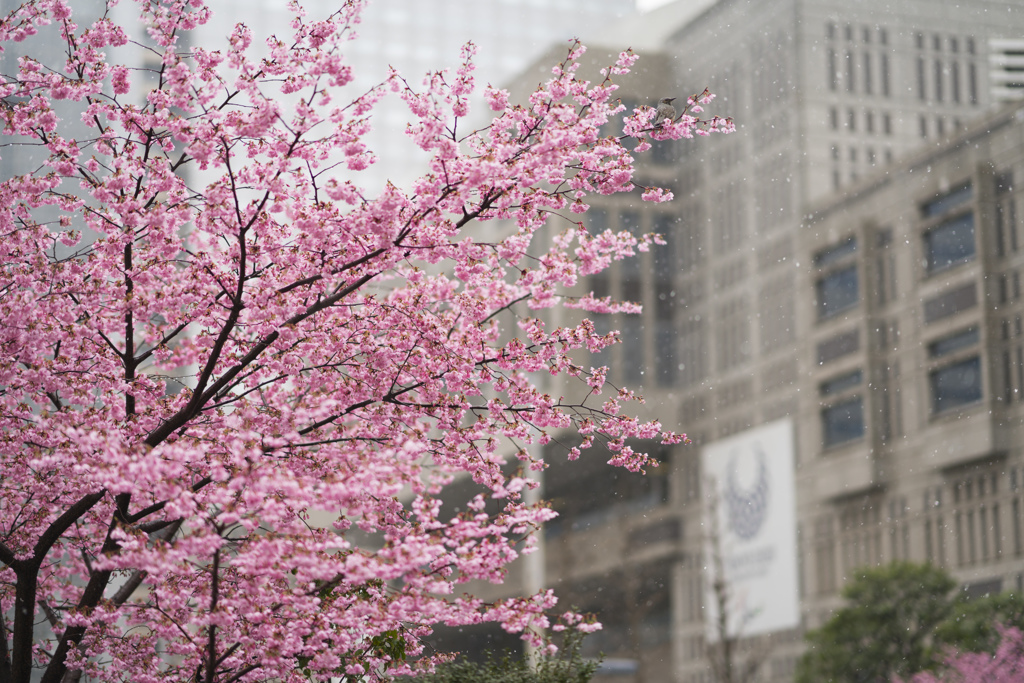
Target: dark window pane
<point>632,350</point>
<point>602,326</point>
<point>972,82</point>
<point>630,221</point>
<point>834,254</point>
<point>666,358</point>
<point>663,152</point>
<point>837,292</point>
<point>596,220</point>
<point>843,422</point>
<point>952,343</point>
<point>950,242</point>
<point>665,262</point>
<point>942,204</point>
<point>956,385</point>
<point>841,383</point>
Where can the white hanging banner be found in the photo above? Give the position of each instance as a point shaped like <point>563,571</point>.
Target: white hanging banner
<point>754,497</point>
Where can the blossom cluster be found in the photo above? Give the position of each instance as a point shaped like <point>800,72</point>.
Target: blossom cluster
<point>212,340</point>
<point>1005,665</point>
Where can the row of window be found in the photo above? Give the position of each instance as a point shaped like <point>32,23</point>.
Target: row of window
<point>939,80</point>
<point>978,533</point>
<point>871,159</point>
<point>954,381</point>
<point>866,33</point>
<point>867,69</point>
<point>938,43</point>
<point>927,126</point>
<point>870,121</point>
<point>947,241</point>
<point>853,154</point>
<point>954,362</point>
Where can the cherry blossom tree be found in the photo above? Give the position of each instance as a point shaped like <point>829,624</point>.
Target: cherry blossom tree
<point>210,334</point>
<point>1006,665</point>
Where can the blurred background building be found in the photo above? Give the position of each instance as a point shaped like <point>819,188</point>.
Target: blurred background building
<point>847,266</point>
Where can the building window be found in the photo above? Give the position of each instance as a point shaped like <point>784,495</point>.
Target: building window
<point>921,93</point>
<point>953,343</point>
<point>837,291</point>
<point>665,265</point>
<point>948,201</point>
<point>972,82</point>
<point>887,123</point>
<point>838,385</point>
<point>666,359</point>
<point>951,240</point>
<point>884,64</point>
<point>851,83</point>
<point>954,81</point>
<point>629,220</point>
<point>663,152</point>
<point>867,73</point>
<point>956,385</point>
<point>843,422</point>
<point>632,359</point>
<point>851,119</point>
<point>1005,215</point>
<point>922,124</point>
<point>833,77</point>
<point>950,243</point>
<point>835,254</point>
<point>938,80</point>
<point>833,118</point>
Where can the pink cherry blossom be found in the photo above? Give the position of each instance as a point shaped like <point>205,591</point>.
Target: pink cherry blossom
<point>235,389</point>
<point>1006,665</point>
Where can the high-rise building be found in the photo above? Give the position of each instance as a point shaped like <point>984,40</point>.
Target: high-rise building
<point>421,36</point>
<point>418,37</point>
<point>845,264</point>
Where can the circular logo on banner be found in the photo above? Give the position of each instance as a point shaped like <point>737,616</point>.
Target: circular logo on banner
<point>747,507</point>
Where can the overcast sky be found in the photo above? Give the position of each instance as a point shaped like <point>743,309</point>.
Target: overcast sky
<point>645,5</point>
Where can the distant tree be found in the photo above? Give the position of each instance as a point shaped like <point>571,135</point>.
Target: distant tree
<point>974,624</point>
<point>886,630</point>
